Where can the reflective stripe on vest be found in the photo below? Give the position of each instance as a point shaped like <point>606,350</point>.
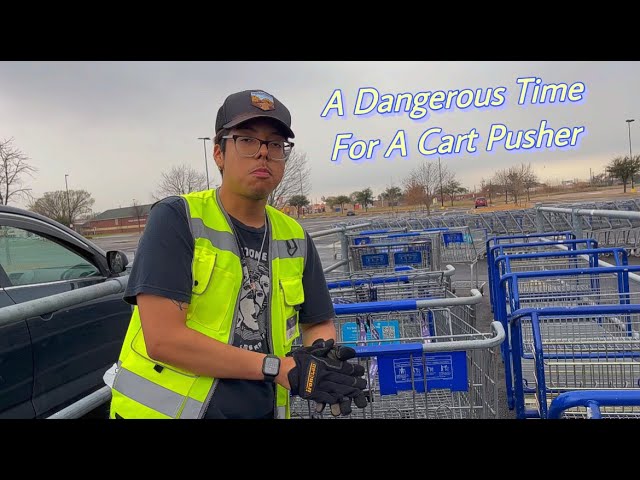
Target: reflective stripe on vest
<point>189,397</point>
<point>226,241</point>
<point>155,396</point>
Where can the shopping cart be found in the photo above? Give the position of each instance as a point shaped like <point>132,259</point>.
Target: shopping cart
<point>528,238</point>
<point>367,287</point>
<point>479,238</point>
<point>422,358</point>
<point>367,238</point>
<point>422,254</point>
<point>560,350</point>
<point>527,247</point>
<point>456,244</point>
<point>555,260</point>
<point>596,404</point>
<point>579,287</point>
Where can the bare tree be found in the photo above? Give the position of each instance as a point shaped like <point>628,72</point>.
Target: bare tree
<point>179,180</point>
<point>138,211</point>
<point>54,205</point>
<point>295,181</point>
<point>445,176</point>
<point>422,184</point>
<point>529,178</point>
<point>489,188</point>
<point>14,164</point>
<point>501,178</point>
<point>515,183</point>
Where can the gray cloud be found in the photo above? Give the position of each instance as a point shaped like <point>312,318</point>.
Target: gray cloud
<point>115,126</point>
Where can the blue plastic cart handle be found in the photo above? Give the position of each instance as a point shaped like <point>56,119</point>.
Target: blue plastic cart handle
<point>375,307</point>
<point>398,348</point>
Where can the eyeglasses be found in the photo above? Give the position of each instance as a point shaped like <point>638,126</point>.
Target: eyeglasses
<point>250,146</point>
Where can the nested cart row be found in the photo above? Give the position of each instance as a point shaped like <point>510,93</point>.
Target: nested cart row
<point>570,320</point>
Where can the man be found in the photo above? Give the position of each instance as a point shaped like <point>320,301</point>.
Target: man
<point>223,286</point>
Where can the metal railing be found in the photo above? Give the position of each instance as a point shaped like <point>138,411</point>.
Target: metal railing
<point>344,243</point>
<point>45,305</point>
<point>611,228</point>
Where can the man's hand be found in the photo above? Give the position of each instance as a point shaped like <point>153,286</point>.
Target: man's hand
<point>343,354</point>
<point>319,348</point>
<point>323,374</point>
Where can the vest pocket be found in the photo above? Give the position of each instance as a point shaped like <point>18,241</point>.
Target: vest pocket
<point>292,293</point>
<point>146,388</point>
<point>212,293</point>
<point>203,262</point>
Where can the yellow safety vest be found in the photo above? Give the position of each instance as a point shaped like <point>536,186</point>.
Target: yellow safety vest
<point>145,388</point>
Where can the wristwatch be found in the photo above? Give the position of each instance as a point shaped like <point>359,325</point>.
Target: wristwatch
<point>270,367</point>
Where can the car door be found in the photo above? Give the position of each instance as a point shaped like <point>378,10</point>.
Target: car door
<point>16,364</point>
<point>71,347</point>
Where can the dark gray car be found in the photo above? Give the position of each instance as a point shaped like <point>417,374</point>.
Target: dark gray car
<point>50,361</point>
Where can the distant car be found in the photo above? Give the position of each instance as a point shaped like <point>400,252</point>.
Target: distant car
<point>481,202</point>
<point>50,361</point>
<point>350,213</point>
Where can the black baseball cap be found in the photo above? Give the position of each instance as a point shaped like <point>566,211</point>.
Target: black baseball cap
<point>248,104</point>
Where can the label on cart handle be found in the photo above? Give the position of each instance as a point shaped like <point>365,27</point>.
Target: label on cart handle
<point>387,330</point>
<point>452,237</point>
<point>375,260</point>
<point>444,370</point>
<point>407,258</point>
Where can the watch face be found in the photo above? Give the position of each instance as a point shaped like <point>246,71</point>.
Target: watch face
<point>271,366</point>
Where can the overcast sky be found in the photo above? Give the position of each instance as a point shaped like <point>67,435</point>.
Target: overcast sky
<point>114,127</point>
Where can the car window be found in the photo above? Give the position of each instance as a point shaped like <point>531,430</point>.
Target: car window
<point>28,259</point>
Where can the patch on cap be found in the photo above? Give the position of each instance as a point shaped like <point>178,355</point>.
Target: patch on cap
<point>262,100</point>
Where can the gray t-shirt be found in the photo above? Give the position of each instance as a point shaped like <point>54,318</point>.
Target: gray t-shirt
<point>162,266</point>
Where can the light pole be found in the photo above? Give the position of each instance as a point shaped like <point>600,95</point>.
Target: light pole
<point>68,202</point>
<point>206,165</point>
<point>441,194</point>
<point>629,120</point>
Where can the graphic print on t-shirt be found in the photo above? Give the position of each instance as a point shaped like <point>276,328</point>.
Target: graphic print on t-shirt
<point>250,332</point>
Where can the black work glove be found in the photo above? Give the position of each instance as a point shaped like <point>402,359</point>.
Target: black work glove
<point>342,353</point>
<point>321,348</point>
<point>321,375</point>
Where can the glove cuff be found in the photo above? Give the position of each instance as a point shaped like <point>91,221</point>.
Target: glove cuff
<point>292,376</point>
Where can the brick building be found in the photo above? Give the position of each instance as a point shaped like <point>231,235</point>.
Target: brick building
<point>117,220</point>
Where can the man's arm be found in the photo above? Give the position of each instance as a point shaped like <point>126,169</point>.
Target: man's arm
<point>169,340</point>
<point>317,313</point>
<point>312,331</point>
